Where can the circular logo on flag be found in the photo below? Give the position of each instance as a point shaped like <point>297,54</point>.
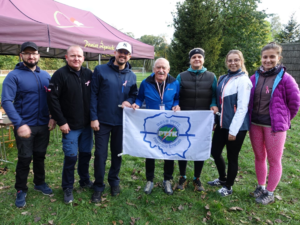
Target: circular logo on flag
<point>167,133</point>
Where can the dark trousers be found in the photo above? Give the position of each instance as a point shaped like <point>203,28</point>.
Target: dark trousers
<point>220,139</point>
<point>168,169</point>
<point>101,151</point>
<point>35,148</point>
<point>198,165</point>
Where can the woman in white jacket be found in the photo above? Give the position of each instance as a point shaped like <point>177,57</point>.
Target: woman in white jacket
<point>233,93</point>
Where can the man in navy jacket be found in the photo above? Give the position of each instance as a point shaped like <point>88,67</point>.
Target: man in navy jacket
<point>24,99</point>
<point>113,84</point>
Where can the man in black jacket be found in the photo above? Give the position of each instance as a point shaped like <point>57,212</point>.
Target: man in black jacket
<point>69,104</point>
<point>113,84</point>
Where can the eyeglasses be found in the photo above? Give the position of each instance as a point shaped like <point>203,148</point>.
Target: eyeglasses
<point>122,51</point>
<point>28,54</point>
<point>234,60</point>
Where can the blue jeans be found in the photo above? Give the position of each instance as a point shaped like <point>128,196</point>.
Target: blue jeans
<point>77,140</point>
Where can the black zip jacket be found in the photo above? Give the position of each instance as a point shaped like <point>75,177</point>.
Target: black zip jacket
<point>69,97</point>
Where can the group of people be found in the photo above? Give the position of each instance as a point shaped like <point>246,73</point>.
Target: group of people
<point>80,101</point>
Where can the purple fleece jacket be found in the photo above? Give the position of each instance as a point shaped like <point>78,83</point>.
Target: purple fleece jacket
<point>285,101</point>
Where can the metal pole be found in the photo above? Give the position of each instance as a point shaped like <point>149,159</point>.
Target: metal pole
<point>144,68</point>
<point>99,60</point>
<point>87,64</point>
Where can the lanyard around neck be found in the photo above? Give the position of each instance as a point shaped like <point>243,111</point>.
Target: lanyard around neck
<point>161,95</point>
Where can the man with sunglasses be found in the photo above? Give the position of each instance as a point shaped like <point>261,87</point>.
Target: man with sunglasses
<point>113,85</point>
<point>24,99</point>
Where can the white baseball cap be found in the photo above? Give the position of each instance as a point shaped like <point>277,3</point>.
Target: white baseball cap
<point>124,45</point>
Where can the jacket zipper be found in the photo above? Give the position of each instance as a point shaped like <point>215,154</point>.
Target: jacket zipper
<point>37,82</point>
<point>80,84</point>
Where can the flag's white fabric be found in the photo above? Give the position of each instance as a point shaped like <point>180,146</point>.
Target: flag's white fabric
<point>183,135</point>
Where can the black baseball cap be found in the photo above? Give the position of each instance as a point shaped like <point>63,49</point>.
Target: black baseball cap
<point>29,44</point>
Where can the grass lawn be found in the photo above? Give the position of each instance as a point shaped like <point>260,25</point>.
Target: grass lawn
<point>132,206</point>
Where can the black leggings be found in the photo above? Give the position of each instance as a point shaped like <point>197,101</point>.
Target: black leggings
<point>198,165</point>
<point>220,139</point>
<point>168,169</point>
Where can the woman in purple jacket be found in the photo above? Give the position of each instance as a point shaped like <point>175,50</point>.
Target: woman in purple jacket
<point>274,102</point>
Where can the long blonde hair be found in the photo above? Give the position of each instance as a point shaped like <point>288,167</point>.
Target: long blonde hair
<point>240,54</point>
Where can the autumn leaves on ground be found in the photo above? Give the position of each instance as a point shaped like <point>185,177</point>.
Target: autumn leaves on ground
<point>132,206</point>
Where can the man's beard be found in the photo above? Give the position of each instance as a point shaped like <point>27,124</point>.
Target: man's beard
<point>121,63</point>
<point>30,65</point>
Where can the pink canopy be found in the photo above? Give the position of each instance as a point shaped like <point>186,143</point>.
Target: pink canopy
<point>54,26</point>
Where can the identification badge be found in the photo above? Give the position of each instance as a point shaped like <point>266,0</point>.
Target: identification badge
<point>162,107</point>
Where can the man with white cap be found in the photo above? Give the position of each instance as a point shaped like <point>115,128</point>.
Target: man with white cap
<point>113,84</point>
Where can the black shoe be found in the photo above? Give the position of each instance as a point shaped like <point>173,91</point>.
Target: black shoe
<point>89,185</point>
<point>114,191</point>
<point>68,196</point>
<point>198,186</point>
<point>181,184</point>
<point>96,197</point>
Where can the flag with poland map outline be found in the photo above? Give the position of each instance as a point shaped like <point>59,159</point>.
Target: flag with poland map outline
<point>182,135</point>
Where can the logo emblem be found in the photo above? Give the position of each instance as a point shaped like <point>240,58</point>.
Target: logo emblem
<point>167,133</point>
<point>125,45</point>
<point>67,21</point>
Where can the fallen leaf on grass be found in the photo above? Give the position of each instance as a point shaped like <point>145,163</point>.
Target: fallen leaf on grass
<point>53,214</point>
<point>269,222</point>
<point>104,195</point>
<point>37,219</point>
<point>121,222</point>
<point>104,206</point>
<point>75,204</point>
<point>53,200</point>
<point>147,223</point>
<point>134,177</point>
<point>98,205</point>
<point>133,171</point>
<point>174,209</point>
<point>138,188</point>
<point>244,222</point>
<point>204,220</point>
<point>114,222</point>
<point>95,211</point>
<point>25,213</point>
<point>278,221</point>
<point>128,203</point>
<point>4,187</point>
<point>207,207</point>
<point>257,218</point>
<point>180,207</point>
<point>50,222</point>
<point>51,195</point>
<point>278,197</point>
<point>208,213</point>
<point>236,209</point>
<point>139,197</point>
<point>103,199</point>
<point>203,196</point>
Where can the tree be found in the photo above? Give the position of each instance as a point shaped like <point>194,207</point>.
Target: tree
<point>217,27</point>
<point>197,24</point>
<point>275,26</point>
<point>290,32</point>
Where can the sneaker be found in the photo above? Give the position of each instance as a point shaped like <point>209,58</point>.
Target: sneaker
<point>257,192</point>
<point>181,184</point>
<point>114,191</point>
<point>198,186</point>
<point>96,197</point>
<point>20,200</point>
<point>168,187</point>
<point>89,185</point>
<point>265,198</point>
<point>68,196</point>
<point>216,182</point>
<point>224,191</point>
<point>148,187</point>
<point>44,188</point>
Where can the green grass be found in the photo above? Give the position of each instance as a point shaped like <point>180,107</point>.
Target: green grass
<point>157,208</point>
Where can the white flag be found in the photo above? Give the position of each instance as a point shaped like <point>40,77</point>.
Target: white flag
<point>182,135</point>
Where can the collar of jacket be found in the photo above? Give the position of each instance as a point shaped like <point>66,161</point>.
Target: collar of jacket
<point>116,68</point>
<point>151,79</point>
<point>197,72</point>
<point>21,66</point>
<point>72,70</point>
<point>236,73</point>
